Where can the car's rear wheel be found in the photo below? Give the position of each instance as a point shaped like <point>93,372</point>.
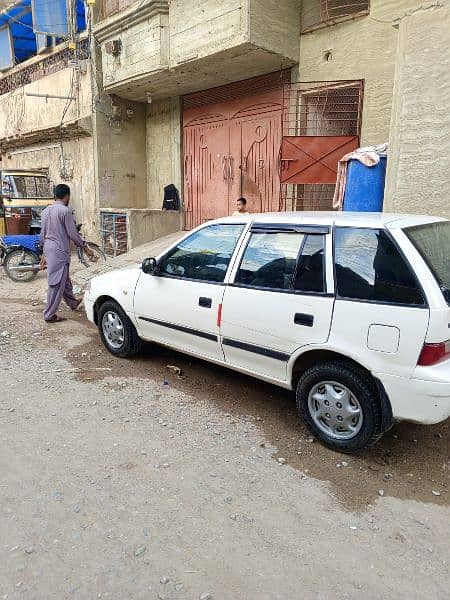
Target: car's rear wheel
<point>340,405</point>
<point>118,333</point>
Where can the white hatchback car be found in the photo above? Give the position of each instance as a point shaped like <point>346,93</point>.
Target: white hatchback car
<point>350,310</point>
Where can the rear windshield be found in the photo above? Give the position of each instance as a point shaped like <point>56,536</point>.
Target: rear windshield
<point>433,243</point>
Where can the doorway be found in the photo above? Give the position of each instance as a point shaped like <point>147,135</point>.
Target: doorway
<point>232,142</point>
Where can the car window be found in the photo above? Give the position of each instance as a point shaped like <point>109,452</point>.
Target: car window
<point>432,240</point>
<point>204,255</point>
<point>269,260</point>
<point>370,267</point>
<point>310,273</point>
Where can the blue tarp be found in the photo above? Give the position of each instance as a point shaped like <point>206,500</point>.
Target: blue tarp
<point>50,17</point>
<point>6,57</point>
<point>19,19</point>
<point>31,242</point>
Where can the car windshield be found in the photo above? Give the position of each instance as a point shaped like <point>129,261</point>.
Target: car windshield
<point>433,242</point>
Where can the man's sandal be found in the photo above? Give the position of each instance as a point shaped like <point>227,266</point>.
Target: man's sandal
<point>55,319</point>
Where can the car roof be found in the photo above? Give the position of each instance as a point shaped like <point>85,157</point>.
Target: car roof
<point>345,219</point>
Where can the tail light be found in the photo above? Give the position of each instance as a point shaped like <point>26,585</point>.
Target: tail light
<point>434,353</point>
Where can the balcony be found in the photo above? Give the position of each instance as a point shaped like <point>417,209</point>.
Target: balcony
<point>28,117</point>
<point>163,48</point>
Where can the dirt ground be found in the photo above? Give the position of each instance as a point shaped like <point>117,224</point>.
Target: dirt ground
<point>114,485</point>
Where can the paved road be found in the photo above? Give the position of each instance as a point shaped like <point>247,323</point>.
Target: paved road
<point>113,486</point>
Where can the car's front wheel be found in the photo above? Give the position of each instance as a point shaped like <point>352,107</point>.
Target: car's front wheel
<point>340,405</point>
<point>118,333</point>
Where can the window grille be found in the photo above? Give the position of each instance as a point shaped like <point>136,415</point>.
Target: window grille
<point>114,233</point>
<point>318,109</point>
<point>322,13</point>
<point>322,108</point>
<point>311,196</point>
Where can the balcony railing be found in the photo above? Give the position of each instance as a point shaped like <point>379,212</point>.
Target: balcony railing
<point>52,63</point>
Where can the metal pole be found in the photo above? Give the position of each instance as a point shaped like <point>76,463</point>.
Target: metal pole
<point>47,96</point>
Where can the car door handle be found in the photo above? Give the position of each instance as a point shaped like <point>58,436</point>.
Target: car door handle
<point>303,319</point>
<point>205,302</point>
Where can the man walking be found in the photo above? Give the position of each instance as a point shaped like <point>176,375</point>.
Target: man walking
<point>58,229</point>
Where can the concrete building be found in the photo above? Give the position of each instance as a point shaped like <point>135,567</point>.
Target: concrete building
<point>46,108</point>
<point>224,98</point>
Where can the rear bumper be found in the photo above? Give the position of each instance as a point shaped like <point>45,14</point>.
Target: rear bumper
<point>417,400</point>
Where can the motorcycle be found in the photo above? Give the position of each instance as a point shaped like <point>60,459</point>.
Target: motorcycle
<point>21,256</point>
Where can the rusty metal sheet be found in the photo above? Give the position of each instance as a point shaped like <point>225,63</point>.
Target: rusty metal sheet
<point>313,159</point>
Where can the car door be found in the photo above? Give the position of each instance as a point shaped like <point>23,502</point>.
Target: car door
<point>178,305</point>
<point>278,298</point>
<point>381,314</point>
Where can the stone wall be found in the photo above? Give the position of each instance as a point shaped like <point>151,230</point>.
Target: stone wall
<point>418,178</point>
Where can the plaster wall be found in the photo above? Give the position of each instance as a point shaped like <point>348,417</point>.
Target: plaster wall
<point>363,48</point>
<point>418,178</point>
<point>163,149</point>
<point>79,171</point>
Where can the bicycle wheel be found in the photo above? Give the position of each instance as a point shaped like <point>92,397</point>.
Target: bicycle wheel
<point>16,263</point>
<point>99,255</point>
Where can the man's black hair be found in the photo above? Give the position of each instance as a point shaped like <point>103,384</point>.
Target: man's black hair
<point>243,200</point>
<point>61,191</point>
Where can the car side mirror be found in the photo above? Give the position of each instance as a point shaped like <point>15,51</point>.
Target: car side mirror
<point>150,266</point>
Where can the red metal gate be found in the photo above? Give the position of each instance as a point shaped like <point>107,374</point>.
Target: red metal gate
<point>321,123</point>
<point>231,149</point>
<point>275,143</point>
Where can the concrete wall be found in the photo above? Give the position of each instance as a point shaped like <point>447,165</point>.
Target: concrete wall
<point>20,113</point>
<point>80,168</point>
<point>418,178</point>
<point>202,27</point>
<point>144,49</point>
<point>23,116</point>
<point>163,149</point>
<point>202,44</point>
<point>364,48</point>
<point>148,225</point>
<point>121,153</point>
<point>275,25</point>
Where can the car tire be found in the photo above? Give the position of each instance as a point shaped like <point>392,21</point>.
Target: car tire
<point>341,406</point>
<point>117,332</point>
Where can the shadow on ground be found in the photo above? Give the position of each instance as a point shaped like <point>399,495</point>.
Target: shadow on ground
<point>409,462</point>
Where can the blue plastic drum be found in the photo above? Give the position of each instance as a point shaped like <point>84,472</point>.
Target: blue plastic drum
<point>364,189</point>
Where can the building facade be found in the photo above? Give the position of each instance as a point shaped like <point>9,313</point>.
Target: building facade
<point>224,98</point>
